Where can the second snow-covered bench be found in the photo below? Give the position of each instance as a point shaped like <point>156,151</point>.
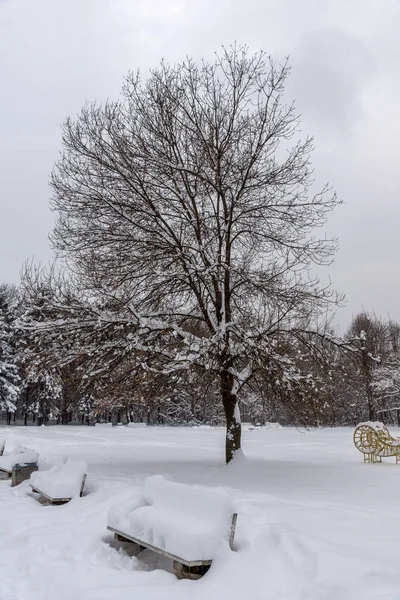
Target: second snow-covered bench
<point>19,464</point>
<point>185,523</point>
<point>61,483</point>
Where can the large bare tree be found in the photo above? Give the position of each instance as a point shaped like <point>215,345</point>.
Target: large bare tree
<point>188,205</point>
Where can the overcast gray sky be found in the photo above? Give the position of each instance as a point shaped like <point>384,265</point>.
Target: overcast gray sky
<point>345,56</point>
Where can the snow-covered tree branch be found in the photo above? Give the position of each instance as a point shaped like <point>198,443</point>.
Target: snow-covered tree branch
<point>186,214</point>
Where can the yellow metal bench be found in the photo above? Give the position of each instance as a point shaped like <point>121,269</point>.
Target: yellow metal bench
<point>375,442</point>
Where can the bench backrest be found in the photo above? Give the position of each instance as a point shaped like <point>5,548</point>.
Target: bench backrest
<point>382,432</point>
<point>375,425</point>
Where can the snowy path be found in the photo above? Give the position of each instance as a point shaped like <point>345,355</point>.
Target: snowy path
<point>315,523</point>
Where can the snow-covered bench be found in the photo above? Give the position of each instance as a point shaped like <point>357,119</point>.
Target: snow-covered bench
<point>19,465</point>
<point>374,441</point>
<point>60,483</point>
<point>182,522</point>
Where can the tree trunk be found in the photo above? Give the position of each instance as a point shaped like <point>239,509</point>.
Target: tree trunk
<point>232,415</point>
<point>371,408</point>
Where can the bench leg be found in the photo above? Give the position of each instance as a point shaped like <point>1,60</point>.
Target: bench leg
<point>185,572</point>
<point>121,538</point>
<point>82,486</point>
<point>20,474</point>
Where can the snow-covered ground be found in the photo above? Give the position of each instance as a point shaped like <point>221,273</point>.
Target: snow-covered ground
<point>314,522</point>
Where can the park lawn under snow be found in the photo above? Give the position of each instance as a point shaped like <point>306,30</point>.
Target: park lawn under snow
<point>315,523</point>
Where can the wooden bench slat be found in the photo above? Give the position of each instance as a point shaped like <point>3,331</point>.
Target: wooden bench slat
<point>52,500</point>
<point>188,563</point>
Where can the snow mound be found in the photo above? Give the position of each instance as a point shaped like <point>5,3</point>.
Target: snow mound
<point>19,456</point>
<point>137,425</point>
<point>257,426</point>
<point>60,481</point>
<point>45,462</point>
<point>188,521</point>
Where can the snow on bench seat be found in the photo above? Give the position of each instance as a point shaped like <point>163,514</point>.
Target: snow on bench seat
<point>19,456</point>
<point>61,482</point>
<point>185,522</point>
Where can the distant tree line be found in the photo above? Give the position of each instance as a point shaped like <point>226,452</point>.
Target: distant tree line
<point>342,384</point>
